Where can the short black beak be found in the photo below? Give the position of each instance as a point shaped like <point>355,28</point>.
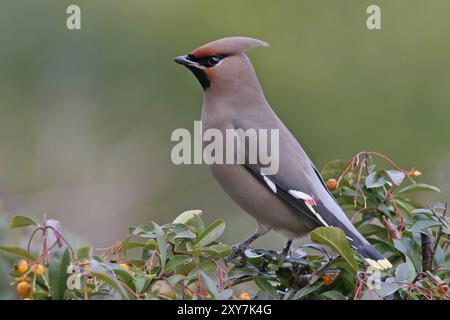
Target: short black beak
<point>184,60</point>
<point>195,68</point>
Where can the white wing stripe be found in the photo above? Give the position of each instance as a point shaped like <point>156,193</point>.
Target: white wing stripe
<point>271,185</point>
<point>300,195</point>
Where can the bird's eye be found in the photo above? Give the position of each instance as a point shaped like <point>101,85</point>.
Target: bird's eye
<point>212,61</point>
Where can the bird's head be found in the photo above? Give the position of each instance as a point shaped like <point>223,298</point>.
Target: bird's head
<point>221,63</point>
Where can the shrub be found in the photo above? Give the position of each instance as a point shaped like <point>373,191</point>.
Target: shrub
<point>184,259</point>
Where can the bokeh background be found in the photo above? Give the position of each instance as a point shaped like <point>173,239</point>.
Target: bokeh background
<point>86,116</point>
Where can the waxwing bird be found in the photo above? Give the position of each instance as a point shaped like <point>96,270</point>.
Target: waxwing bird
<point>295,200</point>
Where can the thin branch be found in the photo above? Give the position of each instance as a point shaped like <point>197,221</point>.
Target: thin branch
<point>427,251</point>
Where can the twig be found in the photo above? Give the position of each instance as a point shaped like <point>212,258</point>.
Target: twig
<point>440,231</point>
<point>441,219</point>
<point>427,251</point>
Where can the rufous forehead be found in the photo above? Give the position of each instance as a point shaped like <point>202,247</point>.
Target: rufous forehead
<point>230,45</point>
<point>204,52</point>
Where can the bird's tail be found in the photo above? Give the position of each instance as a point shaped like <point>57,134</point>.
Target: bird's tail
<point>373,257</point>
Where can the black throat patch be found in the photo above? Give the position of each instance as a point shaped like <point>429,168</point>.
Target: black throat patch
<point>201,77</point>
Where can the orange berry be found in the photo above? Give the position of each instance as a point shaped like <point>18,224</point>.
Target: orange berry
<point>124,265</point>
<point>327,279</point>
<point>24,289</point>
<point>38,269</point>
<point>85,264</point>
<point>332,184</point>
<point>442,288</point>
<point>21,266</point>
<point>245,296</point>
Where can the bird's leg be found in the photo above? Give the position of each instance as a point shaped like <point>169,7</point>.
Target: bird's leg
<point>260,230</point>
<point>286,248</point>
<point>239,248</point>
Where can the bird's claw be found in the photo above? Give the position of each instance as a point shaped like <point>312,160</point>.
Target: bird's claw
<point>238,250</point>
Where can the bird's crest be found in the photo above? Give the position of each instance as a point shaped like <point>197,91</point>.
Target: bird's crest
<point>229,46</point>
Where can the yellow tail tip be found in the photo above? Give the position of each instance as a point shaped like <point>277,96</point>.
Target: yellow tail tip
<point>383,264</point>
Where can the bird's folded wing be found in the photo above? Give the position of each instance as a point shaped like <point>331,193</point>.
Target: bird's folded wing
<point>297,181</point>
<point>304,202</point>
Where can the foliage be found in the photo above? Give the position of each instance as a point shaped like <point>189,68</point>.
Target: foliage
<point>414,236</point>
<point>185,260</point>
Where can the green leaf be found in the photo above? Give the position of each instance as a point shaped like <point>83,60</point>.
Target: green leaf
<point>405,206</point>
<point>369,229</point>
<point>137,262</point>
<point>405,272</point>
<point>21,221</point>
<point>150,245</point>
<point>252,255</point>
<point>187,216</point>
<point>162,244</point>
<point>142,284</point>
<point>389,287</point>
<point>140,230</point>
<point>439,256</point>
<point>335,238</point>
<point>58,276</point>
<point>422,225</point>
<point>197,224</point>
<point>266,287</point>
<point>40,295</point>
<point>375,180</point>
<point>382,245</point>
<point>396,177</point>
<point>175,279</point>
<point>177,261</point>
<point>333,295</point>
<point>303,292</point>
<point>18,252</point>
<point>210,285</point>
<point>246,272</point>
<point>211,233</point>
<point>386,288</point>
<point>409,248</point>
<point>124,275</point>
<point>112,282</point>
<point>226,294</point>
<point>440,208</point>
<point>418,187</point>
<point>84,253</point>
<point>423,211</point>
<point>216,251</point>
<point>179,231</point>
<point>206,266</point>
<point>135,245</point>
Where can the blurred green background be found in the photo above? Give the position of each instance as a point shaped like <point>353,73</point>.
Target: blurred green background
<point>86,116</point>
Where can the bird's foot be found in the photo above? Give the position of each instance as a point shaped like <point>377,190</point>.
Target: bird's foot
<point>238,250</point>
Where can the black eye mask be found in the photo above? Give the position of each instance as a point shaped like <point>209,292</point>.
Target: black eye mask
<point>208,62</point>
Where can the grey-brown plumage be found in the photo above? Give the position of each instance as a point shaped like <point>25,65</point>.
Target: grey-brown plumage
<point>295,200</point>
